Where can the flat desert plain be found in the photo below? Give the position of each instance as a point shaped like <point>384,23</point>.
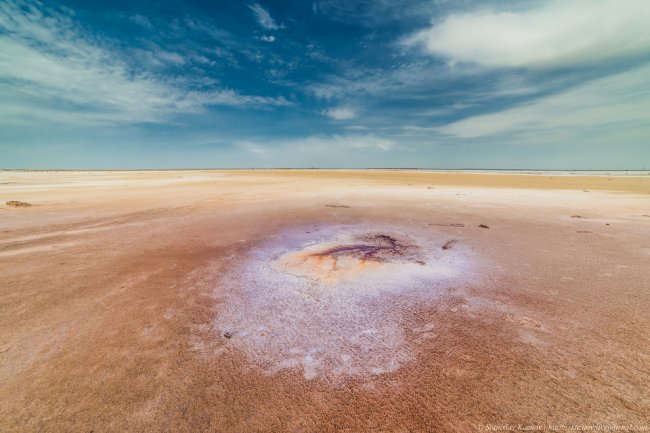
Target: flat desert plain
<point>318,301</point>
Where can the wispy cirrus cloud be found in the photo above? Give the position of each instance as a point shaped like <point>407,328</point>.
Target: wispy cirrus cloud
<point>352,80</point>
<point>373,12</point>
<point>547,34</point>
<point>615,105</point>
<point>267,38</point>
<point>52,71</point>
<point>299,149</point>
<point>341,113</point>
<point>141,20</point>
<point>264,18</point>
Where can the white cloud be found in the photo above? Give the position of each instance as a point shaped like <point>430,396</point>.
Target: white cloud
<point>315,145</point>
<point>267,38</point>
<point>553,33</point>
<point>616,105</point>
<point>409,80</point>
<point>343,142</point>
<point>371,13</point>
<point>264,18</point>
<point>340,143</point>
<point>162,57</point>
<point>368,81</point>
<point>341,113</point>
<point>141,20</point>
<point>50,72</point>
<point>254,148</point>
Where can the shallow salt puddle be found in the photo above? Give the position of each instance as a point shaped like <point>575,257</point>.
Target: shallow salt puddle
<point>328,301</point>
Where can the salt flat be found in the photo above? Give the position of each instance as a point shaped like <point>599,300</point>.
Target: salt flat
<point>311,300</point>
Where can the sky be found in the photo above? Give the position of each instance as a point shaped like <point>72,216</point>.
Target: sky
<point>325,84</point>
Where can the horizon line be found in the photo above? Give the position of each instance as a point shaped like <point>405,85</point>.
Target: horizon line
<point>325,168</point>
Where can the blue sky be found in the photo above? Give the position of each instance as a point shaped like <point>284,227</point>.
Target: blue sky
<point>330,83</point>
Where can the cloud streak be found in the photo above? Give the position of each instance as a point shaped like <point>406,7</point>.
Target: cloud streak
<point>341,113</point>
<point>264,18</point>
<point>295,149</point>
<point>51,71</point>
<point>141,20</point>
<point>618,104</point>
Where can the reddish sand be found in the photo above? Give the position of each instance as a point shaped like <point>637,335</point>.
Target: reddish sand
<point>240,301</point>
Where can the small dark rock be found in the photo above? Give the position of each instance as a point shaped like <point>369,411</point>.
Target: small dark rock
<point>449,244</point>
<point>227,334</point>
<point>483,226</point>
<point>16,203</point>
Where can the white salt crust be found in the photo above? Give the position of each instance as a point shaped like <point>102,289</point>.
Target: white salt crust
<point>334,329</point>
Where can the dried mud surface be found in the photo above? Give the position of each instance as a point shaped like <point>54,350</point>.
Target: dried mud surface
<point>316,301</point>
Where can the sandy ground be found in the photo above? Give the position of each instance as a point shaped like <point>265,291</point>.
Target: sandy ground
<point>315,301</point>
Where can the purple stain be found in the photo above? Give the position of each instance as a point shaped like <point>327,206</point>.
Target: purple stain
<point>380,248</point>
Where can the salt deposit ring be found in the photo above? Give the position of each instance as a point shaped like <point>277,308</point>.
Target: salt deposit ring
<point>327,301</point>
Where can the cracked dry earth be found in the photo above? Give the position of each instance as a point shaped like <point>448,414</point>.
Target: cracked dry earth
<point>315,301</point>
